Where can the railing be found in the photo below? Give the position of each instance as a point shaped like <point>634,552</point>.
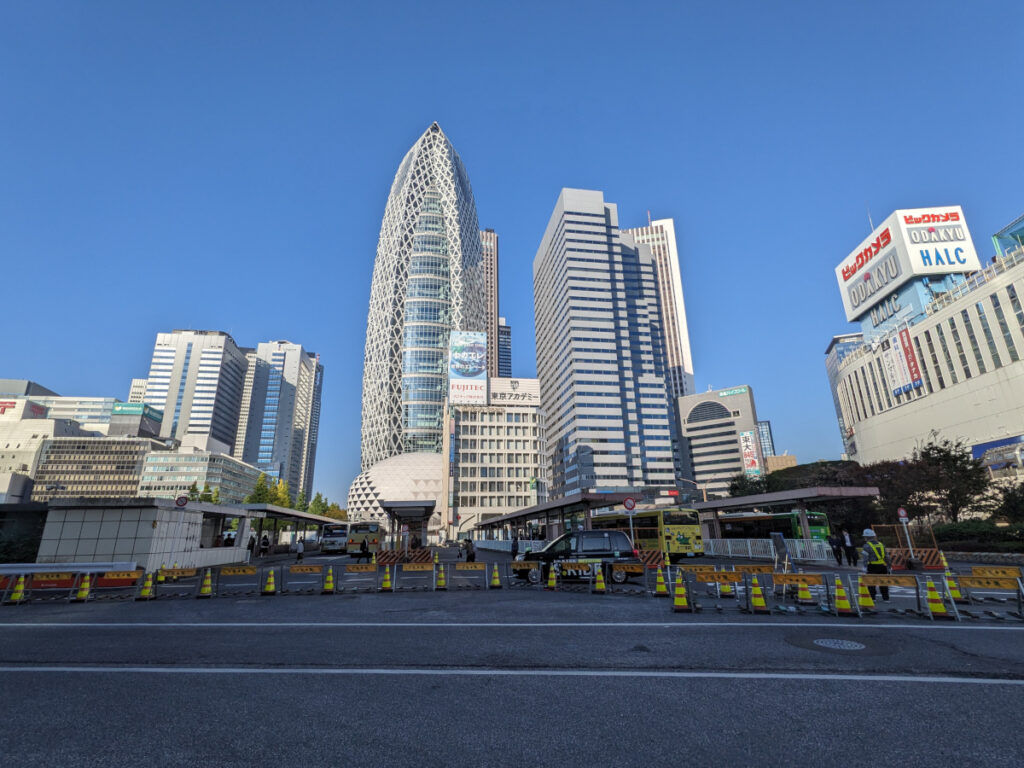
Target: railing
<point>505,545</point>
<point>764,549</point>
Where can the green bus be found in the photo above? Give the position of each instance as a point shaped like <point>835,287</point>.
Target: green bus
<point>760,525</point>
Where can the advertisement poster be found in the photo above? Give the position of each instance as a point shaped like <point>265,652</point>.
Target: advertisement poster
<point>912,365</point>
<point>467,368</point>
<point>748,446</point>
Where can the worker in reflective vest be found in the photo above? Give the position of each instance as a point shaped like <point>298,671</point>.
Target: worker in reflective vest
<point>876,560</point>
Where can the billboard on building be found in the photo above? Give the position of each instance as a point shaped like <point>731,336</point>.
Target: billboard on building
<point>515,392</point>
<point>467,368</point>
<point>748,446</point>
<point>909,243</point>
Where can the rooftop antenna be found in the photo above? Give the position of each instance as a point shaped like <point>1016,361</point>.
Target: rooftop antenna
<point>869,216</point>
<point>648,218</point>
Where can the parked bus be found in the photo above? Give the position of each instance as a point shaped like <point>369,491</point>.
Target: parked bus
<point>359,531</point>
<point>760,525</point>
<point>334,538</point>
<point>674,530</point>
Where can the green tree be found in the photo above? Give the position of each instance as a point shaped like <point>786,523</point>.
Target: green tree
<point>1009,503</point>
<point>206,495</point>
<point>318,505</point>
<point>193,492</point>
<point>300,502</point>
<point>260,493</point>
<point>950,478</point>
<point>216,495</point>
<point>334,510</point>
<point>745,485</point>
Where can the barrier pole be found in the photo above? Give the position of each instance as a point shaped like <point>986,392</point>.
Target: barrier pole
<point>946,593</point>
<point>852,592</point>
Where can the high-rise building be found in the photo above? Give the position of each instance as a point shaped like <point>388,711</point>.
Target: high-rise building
<point>280,413</point>
<point>504,349</point>
<point>115,467</point>
<point>196,379</point>
<point>137,392</point>
<point>838,349</point>
<point>489,244</point>
<point>660,235</point>
<point>609,418</point>
<point>764,434</point>
<point>428,280</point>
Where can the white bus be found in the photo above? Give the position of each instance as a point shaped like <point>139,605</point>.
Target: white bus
<point>335,538</point>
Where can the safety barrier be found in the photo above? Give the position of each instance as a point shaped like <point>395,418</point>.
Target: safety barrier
<point>177,582</point>
<point>237,580</point>
<point>930,559</point>
<point>396,556</point>
<point>414,576</point>
<point>1005,579</point>
<point>468,576</point>
<point>525,574</point>
<point>809,590</point>
<point>302,579</point>
<point>357,577</point>
<point>812,550</point>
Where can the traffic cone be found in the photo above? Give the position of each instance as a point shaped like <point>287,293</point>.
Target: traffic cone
<point>441,583</point>
<point>552,583</point>
<point>160,578</point>
<point>83,590</point>
<point>679,603</point>
<point>17,596</point>
<point>864,600</point>
<point>386,584</point>
<point>328,582</point>
<point>175,576</point>
<point>495,578</point>
<point>936,605</point>
<point>436,558</point>
<point>660,590</point>
<point>206,590</point>
<point>146,593</point>
<point>954,589</point>
<point>843,607</point>
<point>803,595</point>
<point>667,561</point>
<point>757,603</point>
<point>270,588</point>
<point>374,561</point>
<point>726,589</point>
<point>599,586</point>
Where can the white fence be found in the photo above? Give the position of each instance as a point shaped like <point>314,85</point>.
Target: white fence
<point>505,545</point>
<point>764,549</point>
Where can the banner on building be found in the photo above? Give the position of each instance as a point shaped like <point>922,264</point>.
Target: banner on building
<point>748,447</point>
<point>515,392</point>
<point>913,368</point>
<point>467,368</point>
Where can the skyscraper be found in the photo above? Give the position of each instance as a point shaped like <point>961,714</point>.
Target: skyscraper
<point>600,353</point>
<point>504,349</point>
<point>196,378</point>
<point>489,244</point>
<point>660,235</point>
<point>280,414</point>
<point>428,279</point>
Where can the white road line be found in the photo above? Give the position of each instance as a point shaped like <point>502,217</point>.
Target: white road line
<point>494,672</point>
<point>831,626</point>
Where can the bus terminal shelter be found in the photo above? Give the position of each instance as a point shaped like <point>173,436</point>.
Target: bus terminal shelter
<point>552,518</point>
<point>799,500</point>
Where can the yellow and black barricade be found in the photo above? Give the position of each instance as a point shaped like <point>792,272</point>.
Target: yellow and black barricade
<point>525,574</point>
<point>415,576</point>
<point>117,585</point>
<point>178,582</point>
<point>468,576</point>
<point>628,586</point>
<point>301,578</point>
<point>236,580</point>
<point>970,586</point>
<point>788,585</point>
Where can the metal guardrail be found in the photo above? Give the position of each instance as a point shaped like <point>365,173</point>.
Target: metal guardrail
<point>812,550</point>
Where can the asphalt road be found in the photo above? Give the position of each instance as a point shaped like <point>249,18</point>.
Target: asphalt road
<point>497,678</point>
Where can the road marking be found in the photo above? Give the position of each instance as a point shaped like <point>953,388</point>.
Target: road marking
<point>494,672</point>
<point>506,625</point>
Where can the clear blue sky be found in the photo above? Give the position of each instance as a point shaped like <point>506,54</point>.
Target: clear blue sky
<point>225,166</point>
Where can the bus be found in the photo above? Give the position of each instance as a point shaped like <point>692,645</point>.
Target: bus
<point>359,531</point>
<point>674,530</point>
<point>333,537</point>
<point>760,525</point>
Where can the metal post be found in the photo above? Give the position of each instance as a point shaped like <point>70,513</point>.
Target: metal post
<point>906,531</point>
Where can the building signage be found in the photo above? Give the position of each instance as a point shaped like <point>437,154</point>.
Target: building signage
<point>748,447</point>
<point>913,368</point>
<point>515,391</point>
<point>734,391</point>
<point>30,411</point>
<point>467,368</point>
<point>908,244</point>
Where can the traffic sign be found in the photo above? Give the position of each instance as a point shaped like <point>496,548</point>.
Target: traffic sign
<point>181,501</point>
<point>902,513</point>
<point>629,503</point>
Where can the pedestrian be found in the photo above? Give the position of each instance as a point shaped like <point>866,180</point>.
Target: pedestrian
<point>515,545</point>
<point>364,551</point>
<point>264,546</point>
<point>300,548</point>
<point>470,552</point>
<point>837,547</point>
<point>850,549</point>
<point>876,560</point>
<point>252,543</point>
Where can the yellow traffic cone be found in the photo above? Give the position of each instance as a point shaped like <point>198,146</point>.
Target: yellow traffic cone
<point>206,590</point>
<point>441,583</point>
<point>864,600</point>
<point>936,605</point>
<point>374,561</point>
<point>83,590</point>
<point>160,578</point>
<point>146,593</point>
<point>386,584</point>
<point>17,595</point>
<point>803,595</point>
<point>495,578</point>
<point>843,607</point>
<point>552,583</point>
<point>954,589</point>
<point>660,590</point>
<point>436,558</point>
<point>270,588</point>
<point>175,576</point>
<point>600,588</point>
<point>667,561</point>
<point>726,589</point>
<point>328,582</point>
<point>757,603</point>
<point>679,603</point>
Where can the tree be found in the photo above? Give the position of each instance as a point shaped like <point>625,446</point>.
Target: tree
<point>216,495</point>
<point>334,510</point>
<point>951,478</point>
<point>282,497</point>
<point>745,485</point>
<point>206,495</point>
<point>300,503</point>
<point>1009,503</point>
<point>318,505</point>
<point>261,493</point>
<point>193,492</point>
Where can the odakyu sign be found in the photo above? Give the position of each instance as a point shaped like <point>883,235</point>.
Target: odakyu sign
<point>909,243</point>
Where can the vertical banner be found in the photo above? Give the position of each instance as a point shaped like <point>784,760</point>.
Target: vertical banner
<point>467,368</point>
<point>891,374</point>
<point>912,365</point>
<point>748,446</point>
<point>902,370</point>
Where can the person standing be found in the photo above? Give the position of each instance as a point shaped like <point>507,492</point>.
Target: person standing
<point>470,552</point>
<point>837,547</point>
<point>364,551</point>
<point>876,560</point>
<point>852,558</point>
<point>515,545</point>
<point>300,548</point>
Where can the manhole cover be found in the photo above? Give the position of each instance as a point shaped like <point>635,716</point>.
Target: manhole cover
<point>839,645</point>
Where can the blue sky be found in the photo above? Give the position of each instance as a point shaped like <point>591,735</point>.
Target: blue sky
<point>226,165</point>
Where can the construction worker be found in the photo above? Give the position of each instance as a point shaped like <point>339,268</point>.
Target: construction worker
<point>876,560</point>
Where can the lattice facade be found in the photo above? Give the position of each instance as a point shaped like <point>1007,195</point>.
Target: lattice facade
<point>427,281</point>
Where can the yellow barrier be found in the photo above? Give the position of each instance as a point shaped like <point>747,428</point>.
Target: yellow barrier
<point>887,580</point>
<point>1003,572</point>
<point>718,577</point>
<point>988,582</point>
<point>797,579</point>
<point>238,570</point>
<point>769,569</point>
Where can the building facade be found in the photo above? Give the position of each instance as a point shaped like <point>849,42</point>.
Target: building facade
<point>170,474</point>
<point>196,379</point>
<point>504,349</point>
<point>137,391</point>
<point>428,280</point>
<point>609,419</point>
<point>837,350</point>
<point>720,429</point>
<point>91,467</point>
<point>660,236</point>
<point>764,434</point>
<point>489,246</point>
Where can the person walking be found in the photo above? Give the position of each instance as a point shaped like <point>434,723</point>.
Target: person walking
<point>876,560</point>
<point>515,545</point>
<point>852,557</point>
<point>264,546</point>
<point>300,548</point>
<point>837,547</point>
<point>470,552</point>
<point>364,551</point>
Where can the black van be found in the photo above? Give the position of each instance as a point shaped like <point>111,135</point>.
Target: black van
<point>606,547</point>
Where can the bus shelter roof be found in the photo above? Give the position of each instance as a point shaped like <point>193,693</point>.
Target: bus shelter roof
<point>577,502</point>
<point>821,493</point>
<point>284,513</point>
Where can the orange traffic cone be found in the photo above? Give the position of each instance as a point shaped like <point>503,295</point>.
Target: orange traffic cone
<point>17,595</point>
<point>599,586</point>
<point>803,595</point>
<point>206,590</point>
<point>270,588</point>
<point>83,589</point>
<point>843,607</point>
<point>679,603</point>
<point>495,578</point>
<point>660,590</point>
<point>385,585</point>
<point>864,600</point>
<point>757,603</point>
<point>552,582</point>
<point>936,605</point>
<point>441,582</point>
<point>146,593</point>
<point>328,588</point>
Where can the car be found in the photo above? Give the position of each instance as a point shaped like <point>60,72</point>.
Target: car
<point>605,547</point>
